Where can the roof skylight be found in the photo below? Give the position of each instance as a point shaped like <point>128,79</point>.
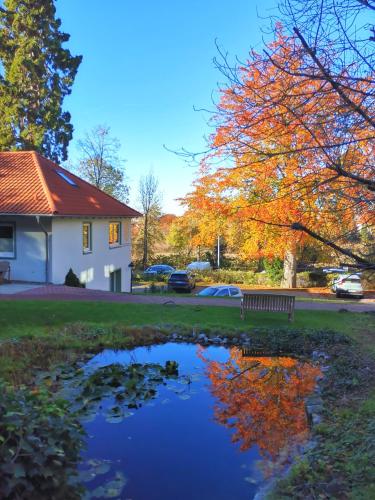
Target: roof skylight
<point>66,178</point>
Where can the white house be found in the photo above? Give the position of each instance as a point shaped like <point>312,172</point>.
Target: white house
<point>51,220</point>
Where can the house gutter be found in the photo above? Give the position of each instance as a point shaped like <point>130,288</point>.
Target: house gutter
<point>46,246</point>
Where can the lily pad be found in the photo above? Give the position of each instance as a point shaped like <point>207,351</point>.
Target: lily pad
<point>250,480</point>
<point>87,475</point>
<point>172,388</point>
<point>94,462</point>
<point>88,418</point>
<point>184,396</point>
<point>114,419</point>
<point>184,380</point>
<point>98,492</point>
<point>102,468</point>
<point>111,489</point>
<point>179,390</point>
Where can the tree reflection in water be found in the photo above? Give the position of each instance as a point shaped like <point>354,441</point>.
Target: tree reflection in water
<point>262,400</point>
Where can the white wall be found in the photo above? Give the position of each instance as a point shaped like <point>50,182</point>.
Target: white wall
<point>92,268</point>
<point>30,255</point>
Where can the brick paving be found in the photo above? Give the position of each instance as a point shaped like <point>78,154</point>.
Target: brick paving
<point>62,293</point>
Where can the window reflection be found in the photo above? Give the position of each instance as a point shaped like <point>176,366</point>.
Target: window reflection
<point>114,233</point>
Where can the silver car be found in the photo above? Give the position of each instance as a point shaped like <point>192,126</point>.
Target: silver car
<point>220,291</point>
<point>348,284</point>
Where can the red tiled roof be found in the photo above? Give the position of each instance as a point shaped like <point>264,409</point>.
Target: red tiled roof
<point>30,184</point>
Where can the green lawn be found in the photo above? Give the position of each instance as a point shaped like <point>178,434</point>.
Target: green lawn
<point>20,318</point>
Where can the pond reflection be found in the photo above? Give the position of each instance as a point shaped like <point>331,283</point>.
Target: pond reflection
<point>178,421</point>
<point>262,400</point>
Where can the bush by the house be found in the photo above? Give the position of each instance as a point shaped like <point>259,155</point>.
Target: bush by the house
<point>71,279</point>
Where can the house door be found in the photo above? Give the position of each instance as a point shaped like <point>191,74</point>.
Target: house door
<point>115,281</point>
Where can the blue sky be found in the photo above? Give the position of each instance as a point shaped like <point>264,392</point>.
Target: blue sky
<point>145,66</point>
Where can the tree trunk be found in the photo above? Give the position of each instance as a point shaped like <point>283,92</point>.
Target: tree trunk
<point>145,243</point>
<point>290,268</point>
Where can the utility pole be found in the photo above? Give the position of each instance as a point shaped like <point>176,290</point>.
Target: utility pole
<point>218,252</point>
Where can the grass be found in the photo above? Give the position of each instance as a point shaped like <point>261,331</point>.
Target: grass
<point>341,464</point>
<point>37,318</point>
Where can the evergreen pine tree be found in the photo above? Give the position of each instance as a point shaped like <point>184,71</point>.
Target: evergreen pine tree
<point>36,73</point>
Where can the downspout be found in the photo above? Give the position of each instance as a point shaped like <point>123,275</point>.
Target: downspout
<point>47,247</point>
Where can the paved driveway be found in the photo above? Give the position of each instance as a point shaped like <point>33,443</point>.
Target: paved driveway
<point>61,292</point>
<point>13,288</point>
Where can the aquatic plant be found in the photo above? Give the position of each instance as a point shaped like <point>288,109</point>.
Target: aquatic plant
<point>40,444</point>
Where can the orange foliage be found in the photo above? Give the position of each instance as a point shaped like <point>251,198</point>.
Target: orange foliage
<point>262,400</point>
<point>269,128</point>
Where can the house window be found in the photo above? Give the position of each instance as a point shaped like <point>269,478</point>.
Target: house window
<point>7,241</point>
<point>114,234</point>
<point>86,237</point>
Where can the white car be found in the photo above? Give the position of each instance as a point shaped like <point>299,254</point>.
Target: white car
<point>348,284</point>
<point>335,270</point>
<point>199,266</point>
<point>220,291</point>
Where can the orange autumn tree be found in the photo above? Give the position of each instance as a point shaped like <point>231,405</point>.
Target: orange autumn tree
<point>262,400</point>
<point>291,155</point>
<point>221,202</point>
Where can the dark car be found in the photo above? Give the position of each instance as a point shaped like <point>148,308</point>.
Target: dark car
<point>159,269</point>
<point>181,280</point>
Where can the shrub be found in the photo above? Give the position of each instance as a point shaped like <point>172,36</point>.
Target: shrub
<point>368,280</point>
<point>40,443</point>
<point>71,279</point>
<point>317,278</point>
<point>179,261</point>
<point>274,270</point>
<point>311,279</point>
<point>229,276</point>
<point>303,279</point>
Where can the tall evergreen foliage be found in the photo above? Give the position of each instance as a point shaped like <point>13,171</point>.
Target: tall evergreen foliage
<point>36,73</point>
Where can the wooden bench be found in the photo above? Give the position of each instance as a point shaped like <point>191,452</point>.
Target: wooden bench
<point>4,270</point>
<point>268,303</point>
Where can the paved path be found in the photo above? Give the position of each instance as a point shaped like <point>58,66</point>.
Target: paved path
<point>61,292</point>
<point>12,288</point>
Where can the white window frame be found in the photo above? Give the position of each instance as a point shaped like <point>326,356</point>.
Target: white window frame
<point>12,254</point>
<point>89,248</point>
<point>119,242</point>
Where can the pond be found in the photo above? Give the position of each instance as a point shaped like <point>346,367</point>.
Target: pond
<point>179,421</point>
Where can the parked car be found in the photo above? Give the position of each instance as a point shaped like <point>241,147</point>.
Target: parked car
<point>220,291</point>
<point>335,270</point>
<point>348,284</point>
<point>199,266</point>
<point>181,280</point>
<point>159,269</point>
